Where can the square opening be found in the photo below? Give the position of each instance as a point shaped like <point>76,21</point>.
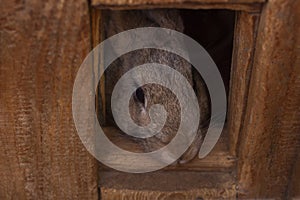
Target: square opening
<point>228,33</point>
<point>213,30</point>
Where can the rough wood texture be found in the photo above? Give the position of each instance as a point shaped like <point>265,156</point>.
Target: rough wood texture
<point>155,2</point>
<point>42,45</point>
<point>135,2</point>
<point>167,185</point>
<point>97,37</point>
<point>294,185</point>
<point>218,160</point>
<point>242,60</point>
<point>246,5</point>
<point>271,132</point>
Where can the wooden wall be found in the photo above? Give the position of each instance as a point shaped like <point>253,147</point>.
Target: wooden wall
<point>270,137</point>
<point>294,184</point>
<point>42,45</point>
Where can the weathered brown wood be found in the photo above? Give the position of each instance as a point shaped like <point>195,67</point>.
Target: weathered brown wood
<point>271,130</point>
<point>294,183</point>
<point>167,185</point>
<point>218,160</point>
<point>42,46</point>
<point>136,2</point>
<point>242,60</point>
<point>253,6</point>
<point>97,37</point>
<point>159,2</point>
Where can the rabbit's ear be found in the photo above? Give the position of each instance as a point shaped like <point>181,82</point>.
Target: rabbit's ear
<point>139,96</point>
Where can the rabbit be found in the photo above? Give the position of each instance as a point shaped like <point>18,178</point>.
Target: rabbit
<point>150,94</point>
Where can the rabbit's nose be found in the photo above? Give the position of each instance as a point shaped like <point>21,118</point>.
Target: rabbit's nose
<point>144,118</point>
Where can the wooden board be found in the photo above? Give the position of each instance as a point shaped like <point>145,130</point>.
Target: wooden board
<point>42,46</point>
<point>97,37</point>
<point>167,185</point>
<point>242,61</point>
<point>294,184</point>
<point>218,160</point>
<point>131,2</point>
<point>270,137</point>
<point>246,5</point>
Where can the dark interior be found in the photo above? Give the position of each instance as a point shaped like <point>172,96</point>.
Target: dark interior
<point>214,30</point>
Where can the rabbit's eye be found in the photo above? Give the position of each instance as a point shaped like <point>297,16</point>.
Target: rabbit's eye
<point>140,96</point>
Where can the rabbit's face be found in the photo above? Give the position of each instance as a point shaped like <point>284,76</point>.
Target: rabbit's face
<point>140,105</point>
<point>138,108</point>
<point>147,96</point>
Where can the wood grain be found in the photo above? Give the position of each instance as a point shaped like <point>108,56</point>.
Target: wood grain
<point>97,37</point>
<point>131,2</point>
<point>242,61</point>
<point>294,184</point>
<point>42,46</point>
<point>155,2</point>
<point>167,185</point>
<point>245,5</point>
<point>218,160</point>
<point>271,130</point>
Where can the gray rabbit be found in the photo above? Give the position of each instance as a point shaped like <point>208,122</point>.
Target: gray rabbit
<point>150,94</point>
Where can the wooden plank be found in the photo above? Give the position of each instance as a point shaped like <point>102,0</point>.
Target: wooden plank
<point>97,37</point>
<point>271,130</point>
<point>167,185</point>
<point>145,2</point>
<point>294,184</point>
<point>218,160</point>
<point>250,5</point>
<point>242,61</point>
<point>42,46</point>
